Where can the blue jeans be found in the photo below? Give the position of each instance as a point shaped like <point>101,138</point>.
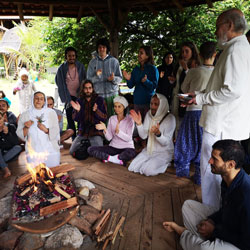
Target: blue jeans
<point>7,155</point>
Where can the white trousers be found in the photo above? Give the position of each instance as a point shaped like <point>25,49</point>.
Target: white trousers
<point>193,212</point>
<point>210,183</point>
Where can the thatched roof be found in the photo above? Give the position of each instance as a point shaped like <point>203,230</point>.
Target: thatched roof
<point>10,40</point>
<point>80,8</point>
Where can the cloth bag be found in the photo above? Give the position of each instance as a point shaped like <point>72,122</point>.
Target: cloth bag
<point>81,152</point>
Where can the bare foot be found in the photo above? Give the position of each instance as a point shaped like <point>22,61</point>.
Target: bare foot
<point>171,226</point>
<point>7,172</point>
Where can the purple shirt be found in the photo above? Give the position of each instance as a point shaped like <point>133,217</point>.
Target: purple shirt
<point>124,139</point>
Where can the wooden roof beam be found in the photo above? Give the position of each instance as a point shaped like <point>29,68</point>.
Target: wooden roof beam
<point>99,18</point>
<point>20,11</point>
<point>79,16</point>
<point>178,5</point>
<point>209,3</point>
<point>51,9</point>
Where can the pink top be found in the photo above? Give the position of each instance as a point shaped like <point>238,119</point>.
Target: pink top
<point>124,139</point>
<point>72,80</point>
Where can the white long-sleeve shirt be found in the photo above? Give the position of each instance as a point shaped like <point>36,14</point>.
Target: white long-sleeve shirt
<point>226,101</point>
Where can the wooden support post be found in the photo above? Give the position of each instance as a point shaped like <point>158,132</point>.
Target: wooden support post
<point>20,11</point>
<point>79,16</point>
<point>51,9</point>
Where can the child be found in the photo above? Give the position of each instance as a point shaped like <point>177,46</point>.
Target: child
<point>25,89</point>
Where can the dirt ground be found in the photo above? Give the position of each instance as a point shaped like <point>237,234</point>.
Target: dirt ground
<point>8,85</point>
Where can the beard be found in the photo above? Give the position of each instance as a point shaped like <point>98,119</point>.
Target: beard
<point>222,40</point>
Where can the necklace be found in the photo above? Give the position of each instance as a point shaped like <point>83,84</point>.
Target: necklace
<point>208,64</point>
<point>72,78</point>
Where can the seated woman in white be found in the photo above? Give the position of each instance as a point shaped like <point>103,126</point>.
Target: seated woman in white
<point>158,127</point>
<point>39,128</point>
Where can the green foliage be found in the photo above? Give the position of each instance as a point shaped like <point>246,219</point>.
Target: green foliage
<point>163,32</point>
<point>32,48</point>
<point>64,32</point>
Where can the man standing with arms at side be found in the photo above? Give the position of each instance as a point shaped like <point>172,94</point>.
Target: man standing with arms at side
<point>68,80</point>
<point>105,73</point>
<point>226,102</point>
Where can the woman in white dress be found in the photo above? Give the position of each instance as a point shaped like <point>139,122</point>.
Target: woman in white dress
<point>158,127</point>
<point>39,128</point>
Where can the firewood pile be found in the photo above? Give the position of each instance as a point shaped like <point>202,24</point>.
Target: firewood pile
<point>102,226</point>
<point>47,199</point>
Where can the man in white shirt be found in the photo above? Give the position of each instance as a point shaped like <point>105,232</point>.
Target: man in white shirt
<point>226,102</point>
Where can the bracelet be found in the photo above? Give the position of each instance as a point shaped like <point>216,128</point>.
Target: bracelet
<point>158,135</point>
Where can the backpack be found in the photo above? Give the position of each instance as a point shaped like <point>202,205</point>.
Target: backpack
<point>81,152</point>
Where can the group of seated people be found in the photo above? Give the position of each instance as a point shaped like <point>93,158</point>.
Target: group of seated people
<point>39,128</point>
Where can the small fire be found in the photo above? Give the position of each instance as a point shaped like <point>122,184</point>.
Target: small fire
<point>36,157</point>
<point>38,170</point>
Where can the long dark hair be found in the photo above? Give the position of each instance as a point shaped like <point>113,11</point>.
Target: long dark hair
<point>3,94</point>
<point>149,52</point>
<point>195,54</point>
<point>82,94</point>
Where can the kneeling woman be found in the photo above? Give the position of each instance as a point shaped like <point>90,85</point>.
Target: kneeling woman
<point>119,132</point>
<point>39,128</point>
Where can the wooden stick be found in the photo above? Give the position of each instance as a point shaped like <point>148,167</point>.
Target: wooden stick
<point>110,227</point>
<point>59,169</point>
<point>118,226</point>
<point>58,206</point>
<point>25,191</point>
<point>62,192</point>
<point>105,244</point>
<point>102,226</point>
<point>100,221</point>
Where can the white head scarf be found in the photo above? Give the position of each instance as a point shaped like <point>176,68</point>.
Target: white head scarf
<point>121,100</point>
<point>162,110</point>
<point>35,115</point>
<point>23,71</point>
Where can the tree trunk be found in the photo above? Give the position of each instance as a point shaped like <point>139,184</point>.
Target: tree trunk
<point>114,42</point>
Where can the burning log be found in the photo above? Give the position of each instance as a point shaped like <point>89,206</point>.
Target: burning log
<point>56,170</point>
<point>26,191</point>
<point>62,192</point>
<point>58,206</point>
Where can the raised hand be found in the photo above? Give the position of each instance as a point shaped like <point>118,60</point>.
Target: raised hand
<point>111,77</point>
<point>136,117</point>
<point>101,126</point>
<point>42,127</point>
<point>126,75</point>
<point>183,64</point>
<point>144,79</point>
<point>75,105</point>
<point>98,72</point>
<point>117,128</point>
<point>28,123</point>
<point>5,129</point>
<point>155,129</point>
<point>95,107</point>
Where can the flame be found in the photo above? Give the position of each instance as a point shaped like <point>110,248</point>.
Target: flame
<point>38,170</point>
<point>36,157</point>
